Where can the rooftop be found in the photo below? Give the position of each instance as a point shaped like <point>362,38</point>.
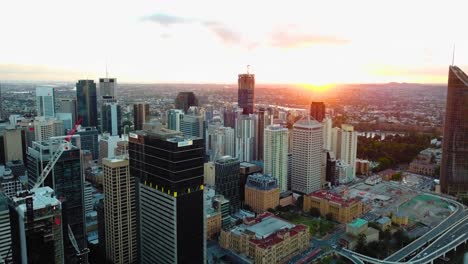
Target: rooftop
<point>307,124</point>
<point>357,223</point>
<point>383,220</point>
<point>333,197</point>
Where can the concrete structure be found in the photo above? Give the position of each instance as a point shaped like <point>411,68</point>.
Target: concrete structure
<point>44,128</point>
<point>246,169</point>
<point>68,106</point>
<point>266,239</point>
<point>89,140</point>
<point>363,167</point>
<point>344,145</point>
<point>192,125</point>
<point>45,101</point>
<point>107,88</point>
<point>9,182</point>
<point>111,118</point>
<point>108,146</point>
<point>5,229</point>
<point>400,218</point>
<point>275,154</point>
<point>86,100</point>
<point>317,111</point>
<point>220,142</point>
<point>246,137</point>
<point>343,172</point>
<point>261,192</point>
<point>141,115</point>
<point>119,211</point>
<point>427,162</point>
<point>169,188</point>
<point>185,100</point>
<point>88,197</point>
<point>384,222</point>
<point>327,133</point>
<point>209,173</point>
<point>227,180</point>
<point>307,156</point>
<point>245,93</point>
<point>357,226</point>
<point>221,204</point>
<point>37,228</point>
<point>454,168</point>
<point>13,144</point>
<point>173,119</point>
<point>67,120</point>
<point>342,209</point>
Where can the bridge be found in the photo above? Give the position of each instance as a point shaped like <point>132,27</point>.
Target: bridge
<point>445,237</point>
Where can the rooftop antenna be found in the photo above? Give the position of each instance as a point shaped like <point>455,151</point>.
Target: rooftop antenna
<point>248,69</point>
<point>106,70</point>
<point>453,55</point>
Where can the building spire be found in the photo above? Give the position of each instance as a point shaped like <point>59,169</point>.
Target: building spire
<point>107,76</point>
<point>453,55</point>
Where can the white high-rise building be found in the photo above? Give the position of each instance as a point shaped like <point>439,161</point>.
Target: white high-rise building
<point>107,88</point>
<point>192,125</point>
<point>44,128</point>
<point>275,154</point>
<point>88,197</point>
<point>45,104</point>
<point>327,133</point>
<point>307,156</point>
<point>246,137</point>
<point>173,119</point>
<point>344,144</point>
<point>220,142</point>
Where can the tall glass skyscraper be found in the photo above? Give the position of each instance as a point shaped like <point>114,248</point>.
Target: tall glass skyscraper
<point>169,188</point>
<point>184,100</point>
<point>140,115</point>
<point>454,167</point>
<point>227,179</point>
<point>317,111</point>
<point>86,103</point>
<point>246,98</point>
<point>45,101</point>
<point>111,118</point>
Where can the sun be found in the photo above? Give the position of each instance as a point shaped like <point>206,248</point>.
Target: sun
<point>316,87</point>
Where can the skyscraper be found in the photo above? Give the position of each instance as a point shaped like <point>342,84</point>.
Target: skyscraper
<point>140,115</point>
<point>246,137</point>
<point>173,119</point>
<point>119,212</point>
<point>68,106</point>
<point>327,133</point>
<point>192,125</point>
<point>169,191</point>
<point>89,140</point>
<point>111,118</point>
<point>37,234</point>
<point>5,229</point>
<point>261,127</point>
<point>229,118</point>
<point>317,111</point>
<point>344,145</point>
<point>184,100</point>
<point>307,156</point>
<point>107,88</point>
<point>44,128</point>
<point>454,167</point>
<point>45,101</point>
<point>220,142</point>
<point>86,102</point>
<point>68,183</point>
<point>245,94</point>
<point>276,154</point>
<point>227,178</point>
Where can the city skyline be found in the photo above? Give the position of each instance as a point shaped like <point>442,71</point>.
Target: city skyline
<point>186,42</point>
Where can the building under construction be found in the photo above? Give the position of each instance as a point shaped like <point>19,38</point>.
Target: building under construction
<point>36,227</point>
<point>65,178</point>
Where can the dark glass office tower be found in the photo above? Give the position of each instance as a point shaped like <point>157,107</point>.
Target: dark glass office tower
<point>140,115</point>
<point>229,118</point>
<point>89,140</point>
<point>227,180</point>
<point>245,94</point>
<point>86,102</point>
<point>169,192</point>
<point>454,167</point>
<point>68,183</point>
<point>261,130</point>
<point>184,100</point>
<point>317,111</point>
<point>111,119</point>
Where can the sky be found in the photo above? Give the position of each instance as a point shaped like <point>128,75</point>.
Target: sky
<point>303,42</point>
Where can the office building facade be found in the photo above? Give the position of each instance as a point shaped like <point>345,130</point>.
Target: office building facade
<point>45,101</point>
<point>317,111</point>
<point>185,100</point>
<point>307,156</point>
<point>169,172</point>
<point>246,96</point>
<point>262,192</point>
<point>68,106</point>
<point>140,115</point>
<point>344,145</point>
<point>275,154</point>
<point>119,211</point>
<point>192,125</point>
<point>86,103</point>
<point>227,180</point>
<point>44,128</point>
<point>454,167</point>
<point>111,118</point>
<point>173,119</point>
<point>246,137</point>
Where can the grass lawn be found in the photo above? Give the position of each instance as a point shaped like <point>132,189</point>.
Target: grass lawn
<point>317,226</point>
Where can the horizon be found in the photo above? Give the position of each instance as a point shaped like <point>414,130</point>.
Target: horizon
<point>185,42</point>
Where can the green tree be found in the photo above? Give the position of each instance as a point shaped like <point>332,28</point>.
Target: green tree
<point>361,243</point>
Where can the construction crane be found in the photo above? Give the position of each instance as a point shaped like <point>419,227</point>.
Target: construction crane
<point>79,253</point>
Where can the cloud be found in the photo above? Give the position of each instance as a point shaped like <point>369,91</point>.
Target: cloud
<point>221,30</point>
<point>166,19</point>
<point>284,38</point>
<point>226,34</point>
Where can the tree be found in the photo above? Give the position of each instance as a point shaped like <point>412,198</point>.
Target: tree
<point>361,243</point>
<point>314,212</point>
<point>300,202</point>
<point>329,216</point>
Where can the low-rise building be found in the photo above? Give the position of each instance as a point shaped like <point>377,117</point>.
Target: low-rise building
<point>384,222</point>
<point>266,239</point>
<point>357,226</point>
<point>341,208</point>
<point>363,167</point>
<point>400,218</point>
<point>261,192</point>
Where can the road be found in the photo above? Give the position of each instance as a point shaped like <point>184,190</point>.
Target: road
<point>455,232</point>
<point>429,236</point>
